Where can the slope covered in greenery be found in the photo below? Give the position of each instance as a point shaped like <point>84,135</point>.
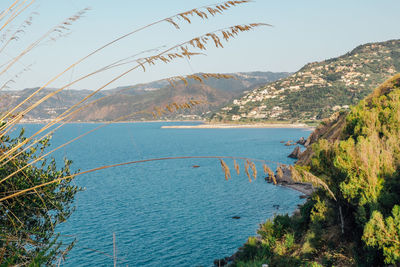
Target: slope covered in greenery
<point>360,224</point>
<point>318,89</point>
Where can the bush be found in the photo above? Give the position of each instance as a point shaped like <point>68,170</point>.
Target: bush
<point>28,222</point>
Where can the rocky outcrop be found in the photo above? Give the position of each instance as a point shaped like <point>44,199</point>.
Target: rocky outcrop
<point>301,141</point>
<point>330,129</point>
<point>284,177</point>
<point>296,153</point>
<point>290,143</point>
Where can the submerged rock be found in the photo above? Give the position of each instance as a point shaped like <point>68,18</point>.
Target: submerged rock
<point>290,143</point>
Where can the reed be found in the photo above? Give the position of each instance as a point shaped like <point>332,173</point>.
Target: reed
<point>159,110</point>
<point>43,195</point>
<point>20,179</point>
<point>301,175</point>
<point>177,51</point>
<point>247,163</point>
<point>212,10</point>
<point>246,169</point>
<point>236,166</point>
<point>225,169</point>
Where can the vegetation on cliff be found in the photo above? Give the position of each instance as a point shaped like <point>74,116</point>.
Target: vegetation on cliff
<point>361,166</point>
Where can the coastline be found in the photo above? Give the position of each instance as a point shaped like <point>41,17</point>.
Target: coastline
<point>304,188</point>
<point>232,126</point>
<point>202,125</point>
<point>110,122</point>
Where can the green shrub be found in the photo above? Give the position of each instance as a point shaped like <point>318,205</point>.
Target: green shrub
<point>27,223</point>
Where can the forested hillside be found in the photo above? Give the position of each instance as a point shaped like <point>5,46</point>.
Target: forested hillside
<point>357,221</point>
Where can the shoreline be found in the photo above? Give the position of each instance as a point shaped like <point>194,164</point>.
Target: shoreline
<point>304,188</point>
<point>110,122</point>
<point>202,125</point>
<point>233,126</point>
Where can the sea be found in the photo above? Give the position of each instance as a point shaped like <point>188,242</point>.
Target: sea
<point>176,212</point>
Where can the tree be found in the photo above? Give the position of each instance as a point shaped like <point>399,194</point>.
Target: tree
<point>385,233</point>
<point>27,223</point>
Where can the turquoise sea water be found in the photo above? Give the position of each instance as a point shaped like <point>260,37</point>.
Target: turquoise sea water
<point>167,213</point>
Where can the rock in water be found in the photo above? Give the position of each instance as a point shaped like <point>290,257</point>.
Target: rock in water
<point>301,141</point>
<point>290,143</point>
<point>295,153</point>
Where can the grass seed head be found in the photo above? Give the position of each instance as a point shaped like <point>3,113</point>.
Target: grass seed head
<point>246,169</point>
<point>237,168</point>
<point>226,170</point>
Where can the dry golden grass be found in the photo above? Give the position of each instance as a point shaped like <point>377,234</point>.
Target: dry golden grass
<point>165,57</point>
<point>225,169</point>
<point>305,176</point>
<point>253,169</point>
<point>269,172</point>
<point>236,166</point>
<point>199,78</point>
<point>15,11</point>
<point>188,49</point>
<point>15,114</point>
<point>246,169</point>
<point>160,109</point>
<point>279,172</point>
<point>297,175</point>
<point>181,51</point>
<point>247,164</point>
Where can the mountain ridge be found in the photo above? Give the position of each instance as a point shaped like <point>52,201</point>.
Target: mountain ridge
<point>124,100</point>
<point>318,89</point>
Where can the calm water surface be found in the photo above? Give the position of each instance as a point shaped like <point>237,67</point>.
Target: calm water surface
<point>168,213</point>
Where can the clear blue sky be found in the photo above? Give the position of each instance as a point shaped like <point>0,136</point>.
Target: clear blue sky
<point>304,31</point>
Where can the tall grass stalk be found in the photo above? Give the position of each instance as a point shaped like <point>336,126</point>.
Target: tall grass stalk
<point>20,187</point>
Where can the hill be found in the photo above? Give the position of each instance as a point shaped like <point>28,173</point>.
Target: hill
<point>122,101</point>
<point>318,89</point>
<point>213,92</point>
<point>354,218</point>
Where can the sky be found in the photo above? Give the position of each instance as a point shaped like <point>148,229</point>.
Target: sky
<point>303,31</point>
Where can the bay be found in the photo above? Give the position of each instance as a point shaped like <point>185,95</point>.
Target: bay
<point>167,213</point>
